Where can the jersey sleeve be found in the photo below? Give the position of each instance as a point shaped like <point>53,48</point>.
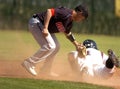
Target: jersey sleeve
<point>53,11</point>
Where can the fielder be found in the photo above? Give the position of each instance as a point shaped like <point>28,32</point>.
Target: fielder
<point>91,62</point>
<point>43,25</point>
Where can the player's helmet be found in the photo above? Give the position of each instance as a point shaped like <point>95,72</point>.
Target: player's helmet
<point>88,43</point>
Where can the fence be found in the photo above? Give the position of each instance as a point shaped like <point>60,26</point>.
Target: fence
<point>102,20</point>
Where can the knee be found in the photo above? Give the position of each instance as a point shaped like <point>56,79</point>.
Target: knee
<point>109,64</point>
<point>52,47</point>
<point>55,50</point>
<point>48,47</point>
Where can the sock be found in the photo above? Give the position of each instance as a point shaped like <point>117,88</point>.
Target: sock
<point>109,63</point>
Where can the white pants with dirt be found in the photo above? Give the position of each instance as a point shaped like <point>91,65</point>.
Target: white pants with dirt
<point>49,46</point>
<point>93,65</point>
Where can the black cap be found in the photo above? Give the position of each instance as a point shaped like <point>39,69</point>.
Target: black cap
<point>82,9</point>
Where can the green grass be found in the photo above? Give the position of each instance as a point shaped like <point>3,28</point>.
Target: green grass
<point>17,45</point>
<point>17,83</point>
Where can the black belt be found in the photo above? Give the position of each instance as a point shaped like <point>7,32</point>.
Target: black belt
<point>35,16</point>
<point>39,24</point>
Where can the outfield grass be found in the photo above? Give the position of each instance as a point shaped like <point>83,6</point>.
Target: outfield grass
<point>17,45</point>
<point>16,83</point>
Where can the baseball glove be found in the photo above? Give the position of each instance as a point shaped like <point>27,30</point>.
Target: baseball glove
<point>82,52</point>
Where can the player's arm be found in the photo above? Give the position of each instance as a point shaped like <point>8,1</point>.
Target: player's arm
<point>79,47</point>
<point>71,37</point>
<point>49,14</point>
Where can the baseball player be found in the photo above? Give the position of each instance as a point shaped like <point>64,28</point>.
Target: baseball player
<point>43,25</point>
<point>91,62</point>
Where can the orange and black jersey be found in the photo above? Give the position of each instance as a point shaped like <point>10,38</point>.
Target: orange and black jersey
<point>60,21</point>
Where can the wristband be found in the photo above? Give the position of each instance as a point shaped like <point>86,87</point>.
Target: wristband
<point>71,37</point>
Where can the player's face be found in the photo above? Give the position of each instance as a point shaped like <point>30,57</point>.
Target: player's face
<point>79,17</point>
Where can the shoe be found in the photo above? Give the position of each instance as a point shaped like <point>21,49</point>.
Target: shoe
<point>29,67</point>
<point>113,58</point>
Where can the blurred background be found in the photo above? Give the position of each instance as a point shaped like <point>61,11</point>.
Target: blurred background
<point>103,14</point>
<point>102,25</point>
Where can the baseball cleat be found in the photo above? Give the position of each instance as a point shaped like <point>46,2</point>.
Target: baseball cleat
<point>29,67</point>
<point>113,58</point>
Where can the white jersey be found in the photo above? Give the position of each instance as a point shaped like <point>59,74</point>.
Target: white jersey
<point>93,64</point>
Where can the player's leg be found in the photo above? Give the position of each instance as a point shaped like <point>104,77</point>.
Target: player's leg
<point>73,60</point>
<point>47,46</point>
<point>102,72</point>
<point>108,69</point>
<point>112,60</point>
<point>49,60</point>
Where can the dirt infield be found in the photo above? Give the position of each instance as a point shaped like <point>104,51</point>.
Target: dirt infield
<point>14,69</point>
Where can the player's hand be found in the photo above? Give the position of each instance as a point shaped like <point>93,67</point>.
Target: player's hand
<point>81,50</point>
<point>45,32</point>
<point>79,46</point>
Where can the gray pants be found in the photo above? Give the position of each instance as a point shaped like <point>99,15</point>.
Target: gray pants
<point>49,45</point>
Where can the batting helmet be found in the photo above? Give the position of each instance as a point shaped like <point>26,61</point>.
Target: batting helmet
<point>88,43</point>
